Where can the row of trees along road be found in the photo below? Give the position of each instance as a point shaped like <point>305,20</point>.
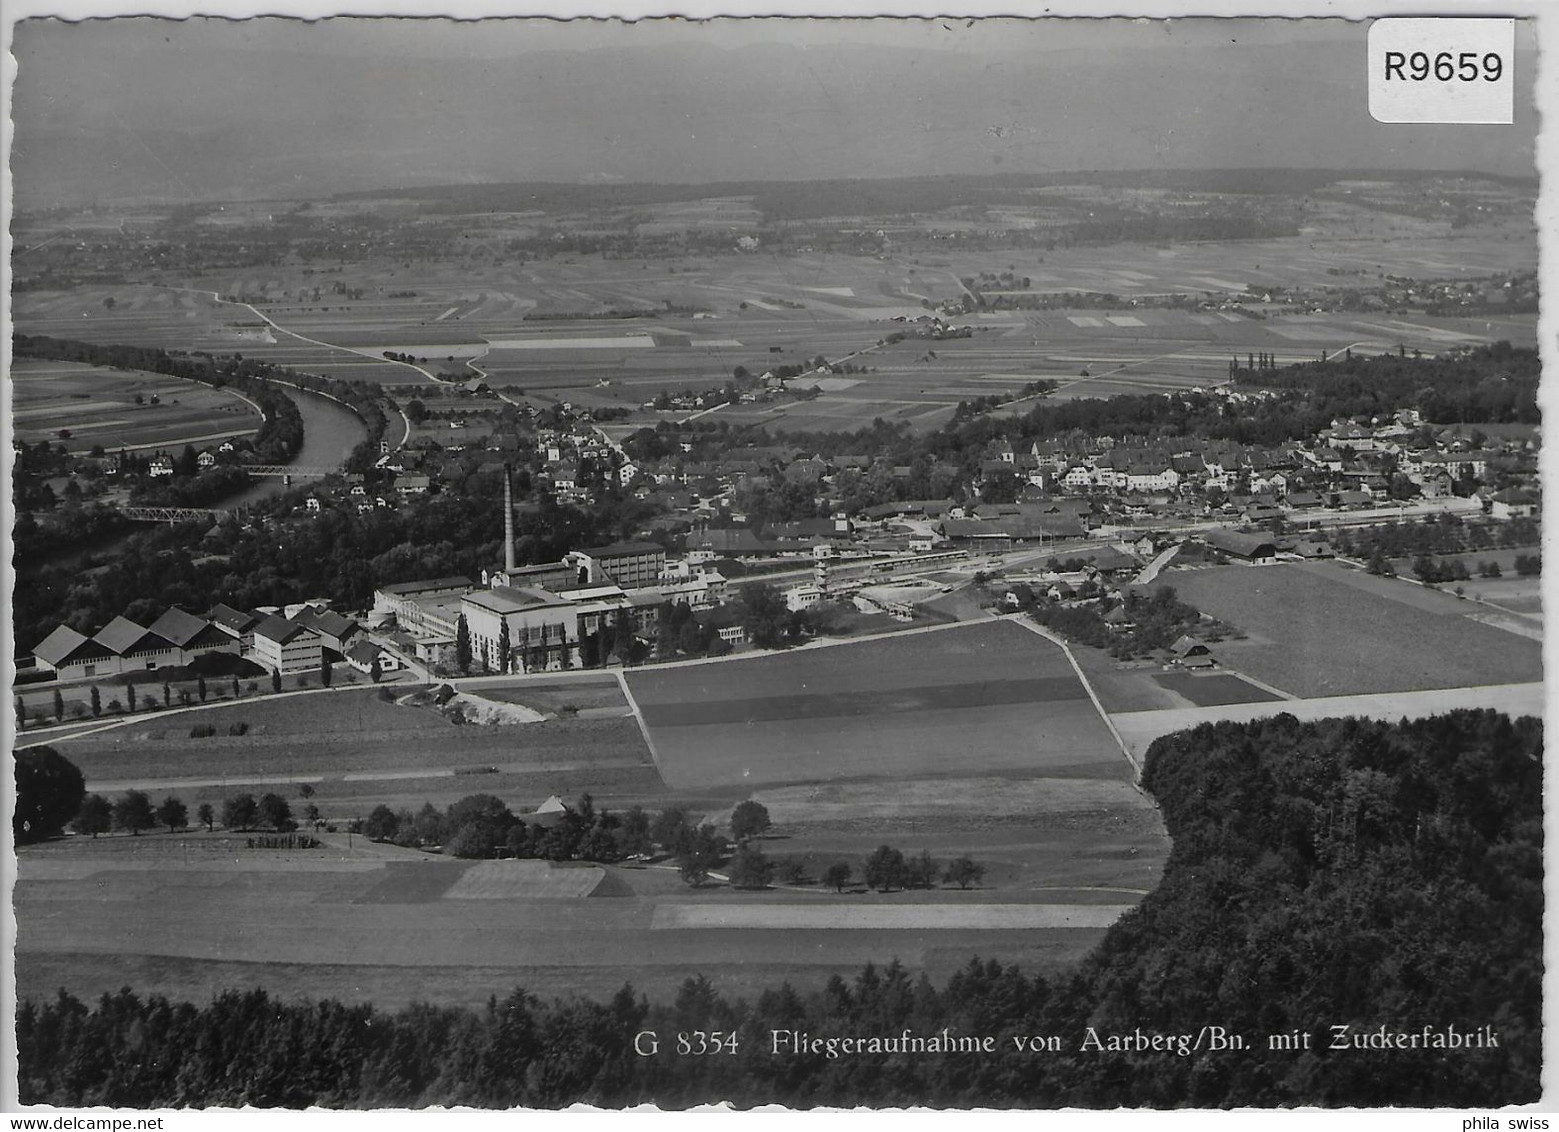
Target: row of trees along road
<point>133,812</point>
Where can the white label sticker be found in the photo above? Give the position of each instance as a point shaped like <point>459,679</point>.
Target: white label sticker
<point>1449,69</point>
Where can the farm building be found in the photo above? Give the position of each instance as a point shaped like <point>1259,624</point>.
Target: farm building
<point>548,814</point>
<point>1248,547</point>
<point>1188,652</point>
<point>1313,548</point>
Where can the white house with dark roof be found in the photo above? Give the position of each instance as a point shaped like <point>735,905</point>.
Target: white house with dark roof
<point>364,652</point>
<point>74,656</point>
<point>286,646</point>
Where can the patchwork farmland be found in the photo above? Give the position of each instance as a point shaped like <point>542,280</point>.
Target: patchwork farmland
<point>121,409</point>
<point>1002,757</point>
<point>968,700</point>
<point>614,333</point>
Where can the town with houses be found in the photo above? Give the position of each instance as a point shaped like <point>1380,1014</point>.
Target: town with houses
<point>1076,518</point>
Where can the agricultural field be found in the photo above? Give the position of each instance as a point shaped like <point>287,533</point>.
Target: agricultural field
<point>1322,629</point>
<point>1067,842</point>
<point>98,406</point>
<point>556,328</point>
<point>358,751</point>
<point>1215,688</point>
<point>963,700</point>
<point>187,915</point>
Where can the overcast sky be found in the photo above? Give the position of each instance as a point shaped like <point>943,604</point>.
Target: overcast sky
<point>230,109</point>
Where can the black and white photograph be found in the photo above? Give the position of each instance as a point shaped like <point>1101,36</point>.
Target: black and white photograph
<point>945,561</point>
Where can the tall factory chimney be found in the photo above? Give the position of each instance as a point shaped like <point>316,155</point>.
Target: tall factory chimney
<point>508,522</point>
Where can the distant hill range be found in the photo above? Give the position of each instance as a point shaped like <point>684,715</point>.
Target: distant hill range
<point>888,196</point>
<point>107,112</point>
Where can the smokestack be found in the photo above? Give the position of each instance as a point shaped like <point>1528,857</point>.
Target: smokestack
<point>508,522</point>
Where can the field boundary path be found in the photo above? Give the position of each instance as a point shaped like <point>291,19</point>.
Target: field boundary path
<point>1082,679</point>
<point>274,325</point>
<point>638,717</point>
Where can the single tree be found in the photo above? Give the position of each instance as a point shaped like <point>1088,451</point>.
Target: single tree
<point>134,812</point>
<point>463,644</point>
<point>963,872</point>
<point>305,790</point>
<point>311,815</point>
<point>239,811</point>
<point>172,813</point>
<point>382,824</point>
<point>324,673</point>
<point>704,850</point>
<point>838,875</point>
<point>750,819</point>
<point>235,687</point>
<point>634,834</point>
<point>670,830</point>
<point>275,812</point>
<point>750,868</point>
<point>59,706</point>
<point>375,671</point>
<point>504,647</point>
<point>205,816</point>
<point>167,694</point>
<point>130,696</point>
<point>97,702</point>
<point>200,688</point>
<point>884,869</point>
<point>275,680</point>
<point>21,714</point>
<point>49,790</point>
<point>95,816</point>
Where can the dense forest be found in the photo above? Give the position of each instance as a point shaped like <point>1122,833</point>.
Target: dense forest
<point>1334,874</point>
<point>1485,385</point>
<point>272,561</point>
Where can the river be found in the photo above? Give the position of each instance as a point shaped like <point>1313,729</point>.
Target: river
<point>330,432</point>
